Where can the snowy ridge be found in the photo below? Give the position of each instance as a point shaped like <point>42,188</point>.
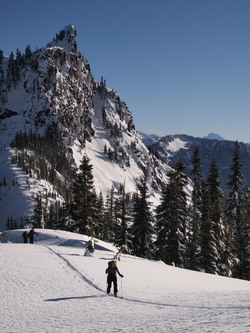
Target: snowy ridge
<point>65,291</point>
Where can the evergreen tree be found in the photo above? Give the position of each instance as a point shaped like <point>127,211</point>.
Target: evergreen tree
<point>237,215</point>
<point>171,219</point>
<point>18,62</point>
<point>28,53</point>
<point>235,184</point>
<point>83,208</point>
<point>163,218</point>
<point>193,232</point>
<point>212,258</point>
<point>64,220</point>
<point>104,116</point>
<point>53,217</point>
<point>123,218</point>
<point>244,267</point>
<point>11,69</point>
<point>1,58</point>
<point>142,227</point>
<point>38,214</point>
<point>107,228</point>
<point>100,216</point>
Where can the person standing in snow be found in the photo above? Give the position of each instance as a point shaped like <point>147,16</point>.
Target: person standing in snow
<point>90,247</point>
<point>111,271</point>
<point>25,236</point>
<point>32,233</point>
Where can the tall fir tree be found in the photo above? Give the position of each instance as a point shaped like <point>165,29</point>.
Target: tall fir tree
<point>193,230</point>
<point>237,216</point>
<point>142,225</point>
<point>245,256</point>
<point>99,215</point>
<point>107,228</point>
<point>38,213</point>
<point>83,208</point>
<point>123,220</point>
<point>172,217</point>
<point>212,258</point>
<point>163,218</point>
<point>1,58</point>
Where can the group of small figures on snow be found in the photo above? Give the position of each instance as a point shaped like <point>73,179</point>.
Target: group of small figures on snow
<point>29,236</point>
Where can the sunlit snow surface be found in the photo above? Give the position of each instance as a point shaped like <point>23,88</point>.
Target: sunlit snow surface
<point>52,287</point>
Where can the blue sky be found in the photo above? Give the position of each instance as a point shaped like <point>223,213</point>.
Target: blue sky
<point>181,66</point>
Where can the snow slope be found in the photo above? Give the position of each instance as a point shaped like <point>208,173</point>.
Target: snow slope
<point>17,197</point>
<point>51,287</point>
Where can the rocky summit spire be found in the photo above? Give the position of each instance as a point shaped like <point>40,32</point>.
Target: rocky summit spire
<point>70,29</point>
<point>66,38</point>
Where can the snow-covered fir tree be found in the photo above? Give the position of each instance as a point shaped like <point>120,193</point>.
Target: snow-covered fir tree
<point>39,210</point>
<point>123,236</point>
<point>108,226</point>
<point>237,216</point>
<point>194,221</point>
<point>212,258</point>
<point>245,254</point>
<point>172,219</point>
<point>142,225</point>
<point>83,207</point>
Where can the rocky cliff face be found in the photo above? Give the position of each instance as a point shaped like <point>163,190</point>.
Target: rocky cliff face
<point>50,87</point>
<point>52,90</point>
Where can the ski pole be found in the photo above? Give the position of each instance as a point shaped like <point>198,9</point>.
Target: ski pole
<point>121,287</point>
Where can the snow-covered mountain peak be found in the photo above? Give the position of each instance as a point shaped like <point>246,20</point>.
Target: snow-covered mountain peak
<point>66,38</point>
<point>70,30</point>
<point>51,92</point>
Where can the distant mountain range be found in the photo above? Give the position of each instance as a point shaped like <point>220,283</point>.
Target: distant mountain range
<point>174,148</point>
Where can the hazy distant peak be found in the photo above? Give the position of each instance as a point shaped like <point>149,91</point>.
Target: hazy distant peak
<point>149,139</point>
<point>214,136</point>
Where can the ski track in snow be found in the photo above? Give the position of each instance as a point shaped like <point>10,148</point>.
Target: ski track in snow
<point>75,269</point>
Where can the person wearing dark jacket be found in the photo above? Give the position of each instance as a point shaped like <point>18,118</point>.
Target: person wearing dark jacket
<point>111,271</point>
<point>32,233</point>
<point>25,236</point>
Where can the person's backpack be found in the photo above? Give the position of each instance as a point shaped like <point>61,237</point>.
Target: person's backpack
<point>111,269</point>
